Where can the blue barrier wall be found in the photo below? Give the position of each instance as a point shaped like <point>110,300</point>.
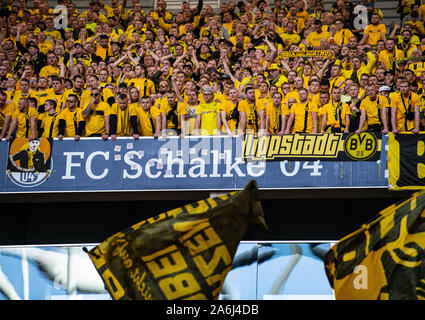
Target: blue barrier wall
<point>192,163</point>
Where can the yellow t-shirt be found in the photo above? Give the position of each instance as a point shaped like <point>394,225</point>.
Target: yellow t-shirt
<point>5,111</point>
<point>147,120</point>
<point>388,58</point>
<point>314,38</point>
<point>275,116</point>
<point>48,71</point>
<point>251,111</point>
<point>145,86</point>
<point>373,109</point>
<point>336,113</point>
<point>173,115</point>
<point>232,114</point>
<point>375,33</point>
<point>95,122</point>
<point>23,127</point>
<point>343,36</point>
<point>303,121</point>
<point>49,124</point>
<point>209,113</point>
<point>402,105</point>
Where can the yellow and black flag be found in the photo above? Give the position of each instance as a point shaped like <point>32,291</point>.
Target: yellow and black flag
<point>383,260</point>
<point>406,161</point>
<point>184,253</point>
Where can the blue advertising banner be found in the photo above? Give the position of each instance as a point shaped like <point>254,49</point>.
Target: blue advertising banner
<point>192,163</point>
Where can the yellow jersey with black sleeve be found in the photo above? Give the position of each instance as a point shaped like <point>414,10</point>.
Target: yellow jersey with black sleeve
<point>303,120</point>
<point>72,120</point>
<point>23,126</point>
<point>122,116</point>
<point>5,111</point>
<point>106,95</point>
<point>146,120</point>
<point>49,125</point>
<point>209,113</point>
<point>275,114</point>
<point>95,122</point>
<point>404,105</point>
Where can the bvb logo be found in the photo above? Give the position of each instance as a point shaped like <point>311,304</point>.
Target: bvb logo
<point>29,162</point>
<point>361,146</point>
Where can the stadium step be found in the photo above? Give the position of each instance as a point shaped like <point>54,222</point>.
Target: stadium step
<point>147,5</point>
<point>388,7</point>
<point>175,5</point>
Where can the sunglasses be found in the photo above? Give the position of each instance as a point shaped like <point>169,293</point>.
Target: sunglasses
<point>95,94</point>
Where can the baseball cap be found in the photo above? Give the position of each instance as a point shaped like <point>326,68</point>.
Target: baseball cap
<point>384,88</point>
<point>207,89</point>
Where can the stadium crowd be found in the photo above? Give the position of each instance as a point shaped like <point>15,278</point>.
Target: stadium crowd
<point>284,67</point>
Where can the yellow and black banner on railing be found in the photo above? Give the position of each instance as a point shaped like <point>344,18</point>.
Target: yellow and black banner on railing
<point>184,253</point>
<point>406,161</point>
<point>365,146</point>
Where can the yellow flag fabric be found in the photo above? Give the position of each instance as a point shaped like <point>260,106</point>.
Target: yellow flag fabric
<point>184,253</point>
<point>406,161</point>
<point>383,260</point>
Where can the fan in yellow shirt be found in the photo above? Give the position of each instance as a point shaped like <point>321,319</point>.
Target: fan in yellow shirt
<point>335,114</point>
<point>148,119</point>
<point>252,117</point>
<point>71,121</point>
<point>374,31</point>
<point>97,116</point>
<point>302,115</point>
<point>123,118</point>
<point>276,115</point>
<point>49,123</point>
<point>208,120</point>
<point>405,109</point>
<point>52,68</point>
<point>6,113</point>
<point>24,121</point>
<point>173,115</point>
<point>342,35</point>
<point>373,111</point>
<point>314,38</point>
<point>230,113</point>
